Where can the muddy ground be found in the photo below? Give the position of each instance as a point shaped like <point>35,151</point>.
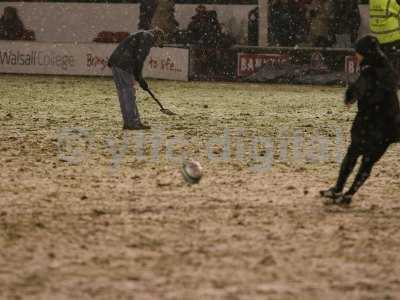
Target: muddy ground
<point>85,213</point>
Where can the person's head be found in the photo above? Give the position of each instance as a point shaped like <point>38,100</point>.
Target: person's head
<point>159,36</point>
<point>368,47</point>
<point>201,10</point>
<point>10,13</point>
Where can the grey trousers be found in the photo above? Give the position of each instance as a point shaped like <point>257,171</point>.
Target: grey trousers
<point>126,95</point>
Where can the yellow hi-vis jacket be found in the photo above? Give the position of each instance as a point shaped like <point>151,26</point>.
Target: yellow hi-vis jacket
<point>385,20</point>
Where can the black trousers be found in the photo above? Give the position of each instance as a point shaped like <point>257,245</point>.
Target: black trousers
<point>369,157</point>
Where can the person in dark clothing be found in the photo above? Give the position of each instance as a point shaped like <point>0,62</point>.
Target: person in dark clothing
<point>252,28</point>
<point>320,19</point>
<point>280,24</point>
<point>11,26</point>
<point>127,62</point>
<point>204,29</point>
<point>346,22</point>
<point>377,123</point>
<point>197,28</point>
<point>214,29</point>
<point>297,17</point>
<point>147,9</point>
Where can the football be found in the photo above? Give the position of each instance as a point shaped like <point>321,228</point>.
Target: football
<point>192,171</point>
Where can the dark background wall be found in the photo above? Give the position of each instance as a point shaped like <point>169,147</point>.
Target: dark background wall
<point>176,1</point>
<point>139,1</point>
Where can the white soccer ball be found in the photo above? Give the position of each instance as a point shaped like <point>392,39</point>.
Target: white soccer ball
<point>192,171</point>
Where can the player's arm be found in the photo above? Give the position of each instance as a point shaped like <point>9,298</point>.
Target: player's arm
<point>143,46</point>
<point>138,73</point>
<point>358,89</point>
<point>355,91</point>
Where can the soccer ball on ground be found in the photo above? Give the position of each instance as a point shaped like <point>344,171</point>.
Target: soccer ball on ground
<point>192,171</point>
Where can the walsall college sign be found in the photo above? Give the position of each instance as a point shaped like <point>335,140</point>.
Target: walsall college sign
<point>86,59</point>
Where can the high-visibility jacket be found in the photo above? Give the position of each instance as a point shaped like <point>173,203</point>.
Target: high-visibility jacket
<point>385,20</point>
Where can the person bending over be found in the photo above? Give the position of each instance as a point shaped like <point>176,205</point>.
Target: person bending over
<point>127,62</point>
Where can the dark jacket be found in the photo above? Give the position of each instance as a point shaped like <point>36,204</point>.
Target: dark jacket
<point>205,29</point>
<point>131,53</point>
<point>11,27</point>
<point>378,117</point>
<point>280,23</point>
<point>147,10</point>
<point>346,18</point>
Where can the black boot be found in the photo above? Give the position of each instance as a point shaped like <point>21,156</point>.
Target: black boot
<point>342,200</point>
<point>139,126</point>
<point>332,193</point>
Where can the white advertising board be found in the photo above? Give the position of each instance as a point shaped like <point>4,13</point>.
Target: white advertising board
<point>86,59</point>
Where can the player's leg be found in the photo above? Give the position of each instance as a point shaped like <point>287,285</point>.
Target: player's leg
<point>368,161</point>
<point>346,168</point>
<point>119,84</point>
<point>132,109</point>
<point>124,83</point>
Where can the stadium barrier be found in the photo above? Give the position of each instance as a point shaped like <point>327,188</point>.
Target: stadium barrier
<point>90,59</point>
<point>179,62</point>
<point>308,65</point>
<point>274,64</point>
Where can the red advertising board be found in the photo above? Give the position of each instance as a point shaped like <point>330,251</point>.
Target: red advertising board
<point>249,63</point>
<point>351,65</point>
